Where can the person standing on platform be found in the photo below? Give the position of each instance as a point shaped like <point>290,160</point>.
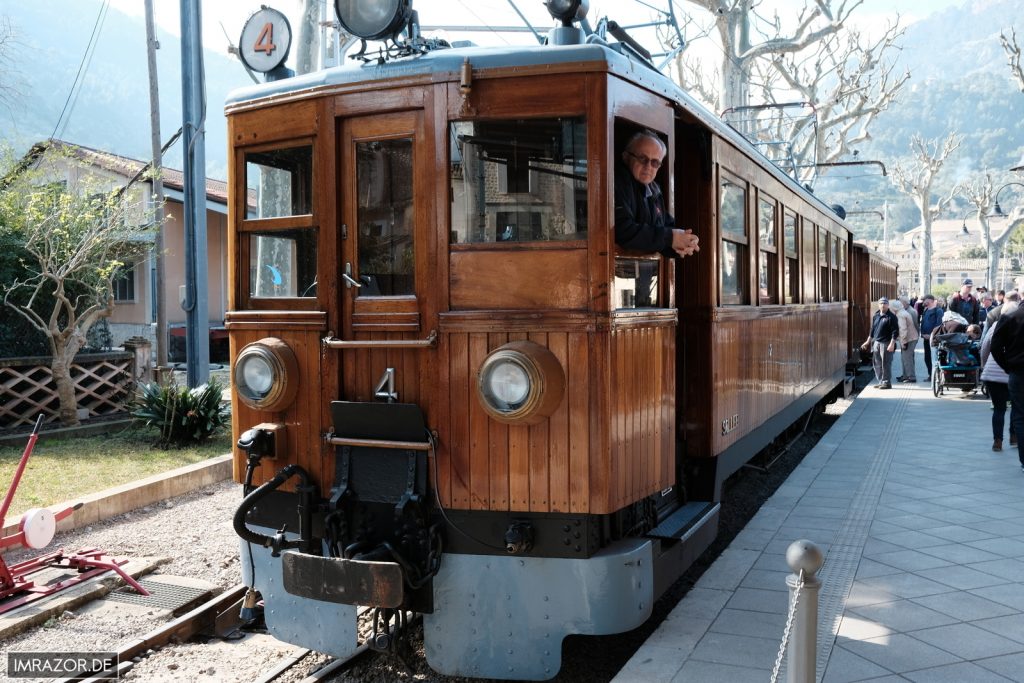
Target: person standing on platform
<point>931,320</point>
<point>996,379</point>
<point>908,341</point>
<point>885,329</point>
<point>964,303</point>
<point>1008,350</point>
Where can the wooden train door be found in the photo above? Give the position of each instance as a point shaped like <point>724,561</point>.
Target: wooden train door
<point>387,301</point>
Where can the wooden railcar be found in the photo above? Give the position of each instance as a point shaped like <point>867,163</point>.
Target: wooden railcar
<point>455,394</point>
<point>872,276</point>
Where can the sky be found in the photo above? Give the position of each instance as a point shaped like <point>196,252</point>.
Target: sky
<point>231,14</point>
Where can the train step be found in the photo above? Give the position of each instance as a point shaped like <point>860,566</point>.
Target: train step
<point>683,522</point>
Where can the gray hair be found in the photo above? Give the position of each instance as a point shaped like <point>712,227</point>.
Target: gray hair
<point>1009,307</point>
<point>646,133</point>
<point>1012,295</point>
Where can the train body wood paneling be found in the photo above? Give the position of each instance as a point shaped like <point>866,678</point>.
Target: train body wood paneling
<point>696,373</point>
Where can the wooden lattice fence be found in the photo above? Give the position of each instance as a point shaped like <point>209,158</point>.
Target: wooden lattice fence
<point>104,385</point>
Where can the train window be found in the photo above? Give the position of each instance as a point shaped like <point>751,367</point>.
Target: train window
<point>384,182</point>
<point>282,263</point>
<point>791,276</point>
<point>636,282</point>
<point>518,180</point>
<point>837,290</point>
<point>282,180</point>
<point>768,259</point>
<point>843,295</point>
<point>733,224</point>
<point>823,272</point>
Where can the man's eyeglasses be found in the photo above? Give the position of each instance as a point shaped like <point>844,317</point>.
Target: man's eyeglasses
<point>645,161</point>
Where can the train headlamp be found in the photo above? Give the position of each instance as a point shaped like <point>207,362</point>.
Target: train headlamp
<point>521,382</point>
<point>373,19</point>
<point>567,11</point>
<point>266,375</point>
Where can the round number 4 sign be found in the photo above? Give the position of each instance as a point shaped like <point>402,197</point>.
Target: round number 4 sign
<point>266,39</point>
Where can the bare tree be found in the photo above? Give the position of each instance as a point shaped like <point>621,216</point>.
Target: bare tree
<point>9,84</point>
<point>980,192</point>
<point>746,36</point>
<point>915,178</point>
<point>848,80</point>
<point>1012,50</point>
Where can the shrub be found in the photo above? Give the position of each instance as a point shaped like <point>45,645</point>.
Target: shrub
<point>182,415</point>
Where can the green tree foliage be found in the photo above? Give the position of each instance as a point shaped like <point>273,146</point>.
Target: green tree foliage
<point>67,242</point>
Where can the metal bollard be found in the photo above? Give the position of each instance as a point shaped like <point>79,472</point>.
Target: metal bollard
<point>805,559</point>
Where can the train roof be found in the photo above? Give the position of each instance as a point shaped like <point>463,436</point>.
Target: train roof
<point>445,64</point>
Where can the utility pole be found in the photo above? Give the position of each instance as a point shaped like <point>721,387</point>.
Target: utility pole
<point>197,335</point>
<point>885,228</point>
<point>158,190</point>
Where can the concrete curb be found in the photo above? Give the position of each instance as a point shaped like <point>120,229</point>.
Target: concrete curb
<point>114,501</point>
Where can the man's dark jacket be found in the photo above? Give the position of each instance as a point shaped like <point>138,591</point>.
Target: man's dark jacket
<point>885,327</point>
<point>641,223</point>
<point>966,306</point>
<point>1008,341</point>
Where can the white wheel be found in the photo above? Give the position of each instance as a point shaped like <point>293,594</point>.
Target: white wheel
<point>39,525</point>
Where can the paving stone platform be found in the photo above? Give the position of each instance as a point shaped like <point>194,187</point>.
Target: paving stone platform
<point>922,526</point>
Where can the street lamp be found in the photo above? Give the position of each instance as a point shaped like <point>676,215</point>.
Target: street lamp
<point>997,211</point>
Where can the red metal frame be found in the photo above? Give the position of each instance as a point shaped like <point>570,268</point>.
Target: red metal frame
<point>89,562</point>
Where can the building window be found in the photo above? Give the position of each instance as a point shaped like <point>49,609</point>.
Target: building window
<point>123,283</point>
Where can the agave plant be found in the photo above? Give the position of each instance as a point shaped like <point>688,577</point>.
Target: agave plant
<point>182,415</point>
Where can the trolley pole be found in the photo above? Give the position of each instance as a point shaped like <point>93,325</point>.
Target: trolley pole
<point>805,559</point>
<point>197,335</point>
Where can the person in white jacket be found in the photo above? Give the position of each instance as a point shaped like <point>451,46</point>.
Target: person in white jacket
<point>907,341</point>
<point>996,382</point>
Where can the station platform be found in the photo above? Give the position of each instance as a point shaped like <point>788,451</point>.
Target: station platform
<point>922,527</point>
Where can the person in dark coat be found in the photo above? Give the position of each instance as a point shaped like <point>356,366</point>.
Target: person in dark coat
<point>885,329</point>
<point>931,319</point>
<point>641,221</point>
<point>964,303</point>
<point>1008,350</point>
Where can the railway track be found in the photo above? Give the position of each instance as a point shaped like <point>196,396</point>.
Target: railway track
<point>217,617</point>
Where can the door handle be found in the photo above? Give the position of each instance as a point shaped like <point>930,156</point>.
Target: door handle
<point>350,281</point>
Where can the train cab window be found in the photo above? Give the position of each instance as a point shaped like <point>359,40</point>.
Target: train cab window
<point>823,266</point>
<point>733,225</point>
<point>791,274</point>
<point>277,237</point>
<point>518,181</point>
<point>282,180</point>
<point>282,263</point>
<point>384,182</point>
<point>768,252</point>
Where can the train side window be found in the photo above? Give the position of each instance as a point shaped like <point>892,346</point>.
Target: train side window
<point>518,180</point>
<point>823,267</point>
<point>636,282</point>
<point>791,276</point>
<point>837,290</point>
<point>734,258</point>
<point>768,259</point>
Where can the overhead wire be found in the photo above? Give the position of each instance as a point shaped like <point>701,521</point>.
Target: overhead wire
<point>83,67</point>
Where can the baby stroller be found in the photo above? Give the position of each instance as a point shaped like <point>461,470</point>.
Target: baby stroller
<point>957,363</point>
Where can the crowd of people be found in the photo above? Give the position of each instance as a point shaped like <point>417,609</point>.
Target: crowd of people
<point>989,328</point>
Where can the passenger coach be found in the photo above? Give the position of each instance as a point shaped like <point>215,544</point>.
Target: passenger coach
<point>453,394</point>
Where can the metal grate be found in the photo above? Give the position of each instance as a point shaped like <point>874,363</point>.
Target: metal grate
<point>162,595</point>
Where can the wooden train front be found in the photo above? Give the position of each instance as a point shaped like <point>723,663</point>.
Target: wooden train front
<point>455,394</point>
